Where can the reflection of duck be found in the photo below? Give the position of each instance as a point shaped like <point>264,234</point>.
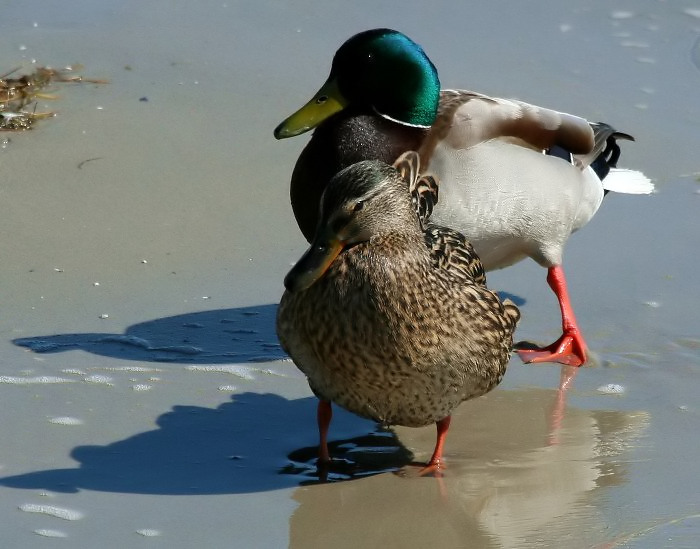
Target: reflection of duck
<point>515,490</point>
<point>511,201</point>
<point>383,325</point>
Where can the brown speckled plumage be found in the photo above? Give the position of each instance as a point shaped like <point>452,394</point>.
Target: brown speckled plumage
<point>451,251</point>
<point>395,331</point>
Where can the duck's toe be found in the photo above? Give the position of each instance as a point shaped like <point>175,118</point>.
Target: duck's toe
<point>569,349</point>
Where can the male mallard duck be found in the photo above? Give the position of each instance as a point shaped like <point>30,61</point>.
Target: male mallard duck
<point>498,188</point>
<point>383,325</point>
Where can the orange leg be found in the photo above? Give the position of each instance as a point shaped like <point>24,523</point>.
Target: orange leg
<point>323,416</point>
<point>570,348</point>
<point>436,464</point>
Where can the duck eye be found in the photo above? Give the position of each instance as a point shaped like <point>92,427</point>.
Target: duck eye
<point>358,206</point>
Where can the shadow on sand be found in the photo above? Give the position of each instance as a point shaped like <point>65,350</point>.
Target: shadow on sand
<point>223,450</point>
<point>198,450</point>
<point>245,334</point>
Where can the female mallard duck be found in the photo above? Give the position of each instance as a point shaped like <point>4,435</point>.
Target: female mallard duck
<point>383,325</point>
<point>512,201</point>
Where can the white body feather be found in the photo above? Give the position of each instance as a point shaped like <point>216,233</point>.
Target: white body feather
<point>499,189</point>
<point>512,202</point>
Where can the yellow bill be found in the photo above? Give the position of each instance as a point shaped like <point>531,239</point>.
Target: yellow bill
<point>327,101</point>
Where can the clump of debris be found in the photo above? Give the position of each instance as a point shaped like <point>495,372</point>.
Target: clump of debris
<point>19,91</point>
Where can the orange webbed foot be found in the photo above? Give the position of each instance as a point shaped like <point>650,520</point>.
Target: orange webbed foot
<point>569,349</point>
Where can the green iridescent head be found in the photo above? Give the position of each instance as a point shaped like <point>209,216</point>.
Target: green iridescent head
<point>379,70</point>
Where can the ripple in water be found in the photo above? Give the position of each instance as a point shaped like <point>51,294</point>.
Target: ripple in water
<point>695,53</point>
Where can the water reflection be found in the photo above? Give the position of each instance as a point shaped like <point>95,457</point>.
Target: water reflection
<point>515,478</point>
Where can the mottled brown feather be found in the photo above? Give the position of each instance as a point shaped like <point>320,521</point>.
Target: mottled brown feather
<point>393,333</point>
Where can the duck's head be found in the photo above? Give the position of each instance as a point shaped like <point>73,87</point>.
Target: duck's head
<point>361,201</point>
<point>381,71</point>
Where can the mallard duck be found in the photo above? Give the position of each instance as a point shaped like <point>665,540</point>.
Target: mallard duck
<point>516,179</point>
<point>383,325</point>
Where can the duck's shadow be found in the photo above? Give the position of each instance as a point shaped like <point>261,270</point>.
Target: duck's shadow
<point>198,450</point>
<point>245,334</point>
<point>238,447</point>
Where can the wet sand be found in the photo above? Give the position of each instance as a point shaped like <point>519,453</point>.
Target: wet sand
<point>145,397</point>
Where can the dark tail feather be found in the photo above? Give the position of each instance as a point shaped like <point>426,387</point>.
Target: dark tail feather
<point>604,154</point>
<point>606,151</point>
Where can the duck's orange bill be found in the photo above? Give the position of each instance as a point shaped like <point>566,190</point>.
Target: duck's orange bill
<point>313,264</point>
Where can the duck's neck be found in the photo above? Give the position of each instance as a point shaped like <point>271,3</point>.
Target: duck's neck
<point>342,140</point>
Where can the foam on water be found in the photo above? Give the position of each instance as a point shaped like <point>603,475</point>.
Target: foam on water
<point>236,370</point>
<point>98,379</point>
<point>66,420</point>
<point>52,511</point>
<point>44,532</point>
<point>131,369</point>
<point>611,389</point>
<point>141,387</point>
<point>37,380</point>
<point>148,532</point>
<point>74,371</point>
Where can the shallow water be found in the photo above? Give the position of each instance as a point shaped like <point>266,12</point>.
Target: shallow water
<point>143,389</point>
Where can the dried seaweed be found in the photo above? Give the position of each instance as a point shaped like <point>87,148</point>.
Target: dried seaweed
<point>19,91</point>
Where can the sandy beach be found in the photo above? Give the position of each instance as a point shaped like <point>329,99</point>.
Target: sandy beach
<point>145,231</point>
